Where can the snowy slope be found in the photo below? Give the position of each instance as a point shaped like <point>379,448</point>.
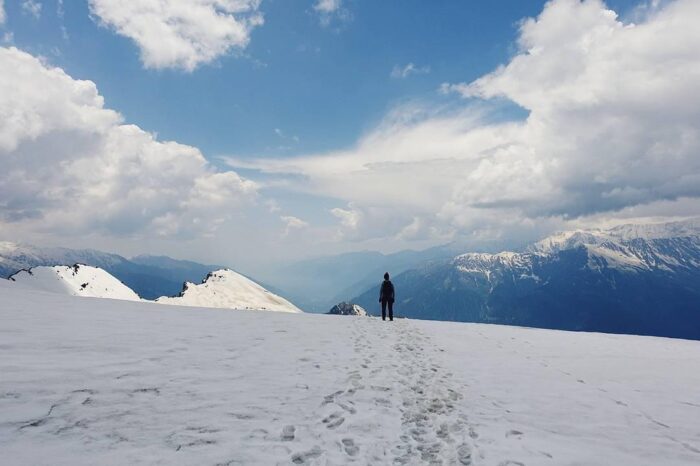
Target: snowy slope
<point>227,289</point>
<point>115,382</point>
<point>76,280</point>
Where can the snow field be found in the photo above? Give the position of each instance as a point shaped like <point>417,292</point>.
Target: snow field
<point>94,381</point>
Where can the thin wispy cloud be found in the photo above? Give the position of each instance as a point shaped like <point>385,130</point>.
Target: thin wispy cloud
<point>402,72</point>
<point>292,224</point>
<point>32,7</point>
<point>331,11</point>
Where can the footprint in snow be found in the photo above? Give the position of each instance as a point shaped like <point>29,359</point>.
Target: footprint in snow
<point>464,455</point>
<point>350,447</point>
<point>334,420</point>
<point>305,456</point>
<point>288,433</point>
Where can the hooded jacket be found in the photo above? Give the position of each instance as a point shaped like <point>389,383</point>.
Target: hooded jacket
<point>386,292</point>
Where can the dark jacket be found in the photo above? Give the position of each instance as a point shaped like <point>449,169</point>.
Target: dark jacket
<point>386,292</point>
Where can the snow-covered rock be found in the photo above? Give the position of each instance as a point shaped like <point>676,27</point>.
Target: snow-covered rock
<point>75,280</point>
<point>347,309</point>
<point>229,290</point>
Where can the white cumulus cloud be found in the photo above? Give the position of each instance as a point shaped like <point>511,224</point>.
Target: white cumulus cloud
<point>613,122</point>
<point>181,34</point>
<point>68,164</point>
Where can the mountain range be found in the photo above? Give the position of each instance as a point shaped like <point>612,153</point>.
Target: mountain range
<point>640,279</point>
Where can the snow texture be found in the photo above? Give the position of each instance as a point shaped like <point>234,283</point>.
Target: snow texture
<point>75,280</point>
<point>117,382</point>
<point>227,289</point>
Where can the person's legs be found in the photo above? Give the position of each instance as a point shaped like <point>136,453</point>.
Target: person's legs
<point>383,310</point>
<point>391,310</point>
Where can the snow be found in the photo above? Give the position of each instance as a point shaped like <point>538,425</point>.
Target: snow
<point>228,289</point>
<point>117,382</point>
<point>618,258</point>
<point>76,280</point>
<point>571,239</point>
<point>20,256</point>
<point>348,309</point>
<point>483,262</point>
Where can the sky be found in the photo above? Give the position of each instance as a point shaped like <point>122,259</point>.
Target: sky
<point>251,132</point>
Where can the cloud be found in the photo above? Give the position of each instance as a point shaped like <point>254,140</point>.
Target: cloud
<point>177,34</point>
<point>327,6</point>
<point>613,122</point>
<point>402,72</point>
<point>32,7</point>
<point>3,16</point>
<point>70,165</point>
<point>292,223</point>
<point>330,11</point>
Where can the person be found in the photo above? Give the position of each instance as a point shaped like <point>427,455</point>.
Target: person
<point>386,297</point>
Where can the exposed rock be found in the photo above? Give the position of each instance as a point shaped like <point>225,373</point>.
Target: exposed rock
<point>347,309</point>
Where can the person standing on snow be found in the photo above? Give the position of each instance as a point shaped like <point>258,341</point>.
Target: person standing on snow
<point>386,296</point>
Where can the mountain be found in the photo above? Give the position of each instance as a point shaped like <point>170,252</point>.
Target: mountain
<point>347,309</point>
<point>149,276</point>
<point>317,284</point>
<point>228,289</point>
<point>175,270</point>
<point>76,280</point>
<point>640,279</point>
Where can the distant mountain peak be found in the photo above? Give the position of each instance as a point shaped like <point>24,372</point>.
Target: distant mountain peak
<point>642,279</point>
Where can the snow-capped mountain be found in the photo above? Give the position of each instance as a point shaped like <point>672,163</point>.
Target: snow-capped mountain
<point>230,290</point>
<point>76,280</point>
<point>347,309</point>
<point>630,279</point>
<point>149,276</point>
<point>14,257</point>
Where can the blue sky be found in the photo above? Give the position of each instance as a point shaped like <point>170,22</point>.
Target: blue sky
<point>325,85</point>
<point>336,125</point>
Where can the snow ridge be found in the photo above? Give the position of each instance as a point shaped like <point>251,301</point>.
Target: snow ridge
<point>631,248</point>
<point>75,280</point>
<point>229,290</point>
